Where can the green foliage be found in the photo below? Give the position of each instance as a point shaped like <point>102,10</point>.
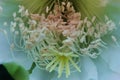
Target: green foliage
<point>16,71</point>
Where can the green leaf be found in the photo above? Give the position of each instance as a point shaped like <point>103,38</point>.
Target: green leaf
<point>16,71</point>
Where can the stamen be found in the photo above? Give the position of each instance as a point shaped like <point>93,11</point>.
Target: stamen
<point>56,38</point>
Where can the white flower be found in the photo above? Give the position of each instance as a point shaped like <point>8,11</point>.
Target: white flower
<point>103,67</point>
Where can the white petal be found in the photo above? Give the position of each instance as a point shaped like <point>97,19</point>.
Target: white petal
<point>89,69</point>
<point>39,74</point>
<point>104,71</point>
<point>112,57</point>
<point>5,55</point>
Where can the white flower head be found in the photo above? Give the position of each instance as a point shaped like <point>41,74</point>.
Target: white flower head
<point>57,39</point>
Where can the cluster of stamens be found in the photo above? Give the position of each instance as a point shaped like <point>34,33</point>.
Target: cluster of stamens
<point>60,35</point>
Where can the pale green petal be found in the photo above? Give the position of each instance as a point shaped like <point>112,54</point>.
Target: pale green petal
<point>88,8</point>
